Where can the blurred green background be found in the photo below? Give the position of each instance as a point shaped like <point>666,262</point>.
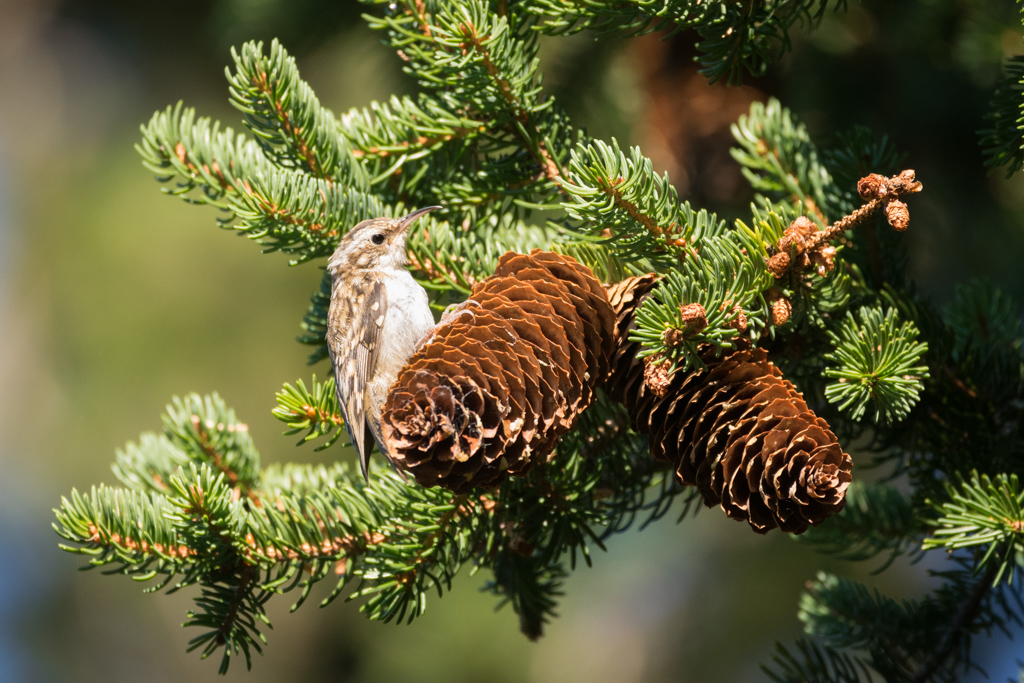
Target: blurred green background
<point>113,298</point>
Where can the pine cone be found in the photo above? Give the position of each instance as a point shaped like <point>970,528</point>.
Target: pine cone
<point>626,369</point>
<point>737,431</point>
<point>493,390</point>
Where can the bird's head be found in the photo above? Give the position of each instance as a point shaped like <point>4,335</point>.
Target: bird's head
<point>377,243</point>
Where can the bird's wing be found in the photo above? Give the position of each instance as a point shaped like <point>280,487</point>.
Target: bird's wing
<point>354,345</point>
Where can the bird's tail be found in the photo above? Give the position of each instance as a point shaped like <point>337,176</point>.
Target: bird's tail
<point>375,435</point>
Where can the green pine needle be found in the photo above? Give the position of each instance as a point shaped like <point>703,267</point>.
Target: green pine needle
<point>877,363</point>
<point>1002,139</point>
<point>984,512</point>
<point>723,276</point>
<point>314,410</point>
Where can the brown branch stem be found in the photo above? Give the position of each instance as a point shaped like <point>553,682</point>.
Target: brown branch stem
<point>649,224</point>
<point>898,185</point>
<point>248,577</point>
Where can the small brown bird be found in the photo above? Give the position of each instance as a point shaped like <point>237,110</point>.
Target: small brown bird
<point>379,314</point>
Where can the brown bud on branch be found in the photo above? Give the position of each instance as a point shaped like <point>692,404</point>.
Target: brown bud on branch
<point>898,215</point>
<point>695,318</point>
<point>782,311</point>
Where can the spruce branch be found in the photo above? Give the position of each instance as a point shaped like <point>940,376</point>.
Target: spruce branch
<point>230,615</point>
<point>404,130</point>
<point>483,61</point>
<point>314,410</point>
<point>208,519</point>
<point>129,529</point>
<point>490,64</point>
<point>532,590</point>
<point>983,316</point>
<point>952,647</point>
<point>565,17</point>
<point>623,198</point>
<point>208,431</point>
<point>750,36</point>
<point>983,511</point>
<point>201,155</point>
<point>735,37</point>
<point>280,209</point>
<point>780,160</point>
<point>877,362</point>
<point>700,304</point>
<point>1001,139</point>
<point>818,663</point>
<point>288,122</point>
<point>914,641</point>
<point>205,524</point>
<point>147,466</point>
<point>988,339</point>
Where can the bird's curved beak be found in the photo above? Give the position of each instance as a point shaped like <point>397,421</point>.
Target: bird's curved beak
<point>404,224</point>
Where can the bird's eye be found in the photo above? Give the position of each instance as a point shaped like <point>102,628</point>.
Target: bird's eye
<point>378,238</point>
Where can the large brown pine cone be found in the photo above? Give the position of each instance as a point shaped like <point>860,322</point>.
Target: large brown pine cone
<point>504,377</point>
<point>738,431</point>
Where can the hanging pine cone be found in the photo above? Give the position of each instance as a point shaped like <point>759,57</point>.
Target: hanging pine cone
<point>497,385</point>
<point>737,430</point>
<point>627,371</point>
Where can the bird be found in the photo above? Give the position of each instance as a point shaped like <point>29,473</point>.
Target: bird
<point>377,318</point>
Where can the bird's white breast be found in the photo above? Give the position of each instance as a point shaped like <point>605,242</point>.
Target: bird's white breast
<point>407,320</point>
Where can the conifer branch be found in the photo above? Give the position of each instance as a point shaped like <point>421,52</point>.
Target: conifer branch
<point>406,128</point>
<point>287,120</point>
<point>280,209</point>
<point>314,410</point>
<point>1002,139</point>
<point>735,37</point>
<point>200,154</point>
<point>966,613</point>
<point>780,161</point>
<point>516,92</point>
<point>515,174</point>
<point>983,512</point>
<point>621,197</point>
<point>878,363</point>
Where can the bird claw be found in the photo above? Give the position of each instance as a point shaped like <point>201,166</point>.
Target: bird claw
<point>450,315</point>
<point>455,311</point>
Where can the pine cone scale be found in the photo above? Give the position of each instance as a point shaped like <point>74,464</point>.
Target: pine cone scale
<point>544,316</point>
<point>532,350</point>
<point>544,283</point>
<point>596,305</point>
